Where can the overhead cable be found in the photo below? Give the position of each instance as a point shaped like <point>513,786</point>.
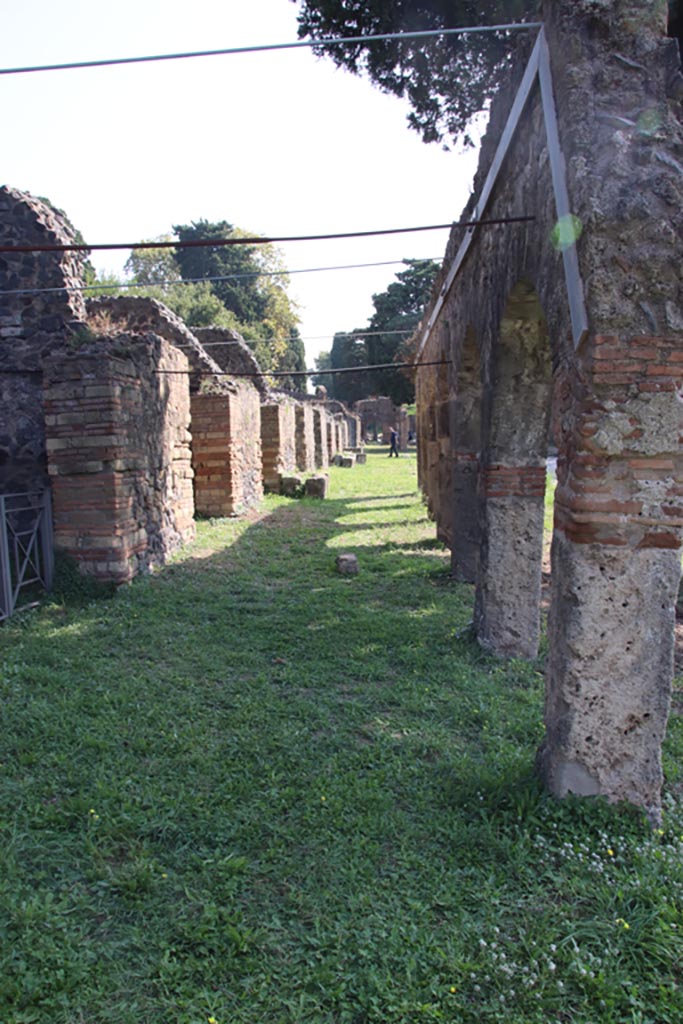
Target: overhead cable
<point>302,43</point>
<point>218,243</point>
<point>313,373</point>
<point>307,337</point>
<point>199,280</point>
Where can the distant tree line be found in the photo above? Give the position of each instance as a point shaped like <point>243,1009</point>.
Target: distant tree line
<point>384,340</point>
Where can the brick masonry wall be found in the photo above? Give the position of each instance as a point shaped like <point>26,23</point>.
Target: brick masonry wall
<point>278,442</point>
<point>226,451</point>
<point>118,446</point>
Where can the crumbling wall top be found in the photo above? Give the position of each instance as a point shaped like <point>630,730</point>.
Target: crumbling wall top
<point>139,315</point>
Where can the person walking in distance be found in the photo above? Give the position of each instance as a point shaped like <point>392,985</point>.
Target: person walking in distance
<point>393,439</point>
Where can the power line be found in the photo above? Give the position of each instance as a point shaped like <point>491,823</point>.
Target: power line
<point>313,373</point>
<point>207,243</point>
<point>199,280</point>
<point>303,43</point>
<point>308,337</point>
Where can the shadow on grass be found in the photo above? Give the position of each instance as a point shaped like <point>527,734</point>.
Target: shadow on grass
<point>340,739</point>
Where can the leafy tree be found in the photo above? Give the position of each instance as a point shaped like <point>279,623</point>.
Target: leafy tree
<point>349,350</point>
<point>153,266</point>
<point>323,362</point>
<point>254,294</point>
<point>447,79</point>
<point>398,311</point>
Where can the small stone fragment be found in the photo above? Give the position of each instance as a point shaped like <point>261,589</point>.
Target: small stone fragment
<point>347,564</point>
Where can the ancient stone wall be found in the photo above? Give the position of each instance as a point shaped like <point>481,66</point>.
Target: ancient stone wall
<point>278,442</point>
<point>612,405</point>
<point>117,416</point>
<point>226,450</point>
<point>305,438</point>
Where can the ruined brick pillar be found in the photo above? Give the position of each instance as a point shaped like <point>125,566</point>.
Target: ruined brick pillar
<point>117,416</point>
<point>278,442</point>
<point>226,450</point>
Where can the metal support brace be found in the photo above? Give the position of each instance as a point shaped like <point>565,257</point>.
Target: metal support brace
<point>6,602</point>
<point>538,68</point>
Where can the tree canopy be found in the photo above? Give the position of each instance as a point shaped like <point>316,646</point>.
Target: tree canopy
<point>446,80</point>
<point>397,313</point>
<point>251,295</point>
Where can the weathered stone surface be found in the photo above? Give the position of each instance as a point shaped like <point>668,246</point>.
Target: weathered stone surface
<point>291,486</point>
<point>317,486</point>
<point>305,438</point>
<point>608,678</point>
<point>347,564</point>
<point>347,461</point>
<point>507,606</point>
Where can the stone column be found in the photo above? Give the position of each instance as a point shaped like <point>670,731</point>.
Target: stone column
<point>322,458</point>
<point>305,438</point>
<point>616,559</point>
<point>507,608</point>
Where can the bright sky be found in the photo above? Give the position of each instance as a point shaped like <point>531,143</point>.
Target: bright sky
<point>277,143</point>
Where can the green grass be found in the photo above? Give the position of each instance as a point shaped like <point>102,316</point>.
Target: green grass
<point>249,789</point>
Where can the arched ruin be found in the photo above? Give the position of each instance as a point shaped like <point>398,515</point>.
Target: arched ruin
<point>568,329</point>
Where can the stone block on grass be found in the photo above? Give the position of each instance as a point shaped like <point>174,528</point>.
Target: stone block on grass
<point>347,564</point>
<point>317,486</point>
<point>291,486</point>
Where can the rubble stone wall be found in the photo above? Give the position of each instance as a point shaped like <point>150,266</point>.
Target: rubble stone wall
<point>118,444</point>
<point>139,315</point>
<point>32,326</point>
<point>23,465</point>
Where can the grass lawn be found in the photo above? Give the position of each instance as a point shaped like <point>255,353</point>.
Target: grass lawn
<point>247,790</point>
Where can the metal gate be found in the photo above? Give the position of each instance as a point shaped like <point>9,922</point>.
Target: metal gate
<point>26,556</point>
